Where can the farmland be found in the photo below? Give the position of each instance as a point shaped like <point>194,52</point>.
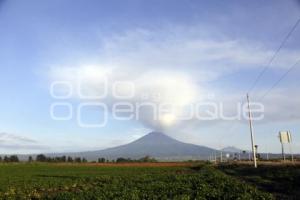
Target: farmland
<point>280,179</point>
<point>121,181</point>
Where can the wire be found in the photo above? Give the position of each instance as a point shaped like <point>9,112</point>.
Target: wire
<point>279,80</point>
<point>265,69</point>
<point>274,55</point>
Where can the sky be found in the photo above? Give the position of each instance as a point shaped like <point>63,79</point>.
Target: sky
<point>80,75</point>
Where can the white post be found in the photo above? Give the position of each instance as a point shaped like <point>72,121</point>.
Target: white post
<point>292,155</point>
<point>282,151</point>
<point>267,152</point>
<point>221,158</point>
<point>252,135</point>
<point>216,157</point>
<point>290,145</point>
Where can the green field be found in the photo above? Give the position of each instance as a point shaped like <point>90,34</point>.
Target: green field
<point>283,181</point>
<point>80,181</point>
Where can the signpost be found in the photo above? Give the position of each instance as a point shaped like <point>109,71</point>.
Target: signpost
<point>285,137</point>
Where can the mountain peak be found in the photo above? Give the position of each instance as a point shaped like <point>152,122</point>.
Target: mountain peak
<point>155,133</point>
<point>231,149</point>
<point>155,137</point>
<point>158,145</point>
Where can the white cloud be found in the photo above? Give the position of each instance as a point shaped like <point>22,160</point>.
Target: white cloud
<point>15,138</point>
<point>172,62</point>
<point>188,49</point>
<point>13,143</point>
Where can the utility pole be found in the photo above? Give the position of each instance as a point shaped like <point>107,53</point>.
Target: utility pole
<point>221,156</point>
<point>216,157</point>
<point>252,135</point>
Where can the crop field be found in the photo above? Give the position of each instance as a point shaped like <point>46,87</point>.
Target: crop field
<point>84,181</point>
<point>280,179</point>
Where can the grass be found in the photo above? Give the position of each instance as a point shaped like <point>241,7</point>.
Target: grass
<point>283,181</point>
<point>79,181</point>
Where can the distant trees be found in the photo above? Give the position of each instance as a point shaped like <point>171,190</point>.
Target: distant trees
<point>69,159</point>
<point>147,159</point>
<point>63,159</point>
<point>101,160</point>
<point>41,158</point>
<point>6,159</point>
<point>144,159</point>
<point>12,158</point>
<point>119,160</point>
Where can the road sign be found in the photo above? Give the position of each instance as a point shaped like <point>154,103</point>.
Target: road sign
<point>285,137</point>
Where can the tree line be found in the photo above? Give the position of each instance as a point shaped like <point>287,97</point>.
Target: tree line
<point>144,159</point>
<point>69,159</point>
<point>12,158</point>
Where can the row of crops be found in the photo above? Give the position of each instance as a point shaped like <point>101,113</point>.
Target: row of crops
<point>42,181</point>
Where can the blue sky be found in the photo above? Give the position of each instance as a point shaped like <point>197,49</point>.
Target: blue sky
<point>214,47</point>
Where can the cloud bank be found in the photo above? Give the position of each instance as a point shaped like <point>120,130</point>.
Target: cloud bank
<point>17,143</point>
<point>173,66</point>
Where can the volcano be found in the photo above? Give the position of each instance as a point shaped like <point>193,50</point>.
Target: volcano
<point>154,144</point>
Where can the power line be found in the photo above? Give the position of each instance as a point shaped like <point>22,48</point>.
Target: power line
<point>274,55</point>
<point>267,66</point>
<point>260,75</point>
<point>279,80</point>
